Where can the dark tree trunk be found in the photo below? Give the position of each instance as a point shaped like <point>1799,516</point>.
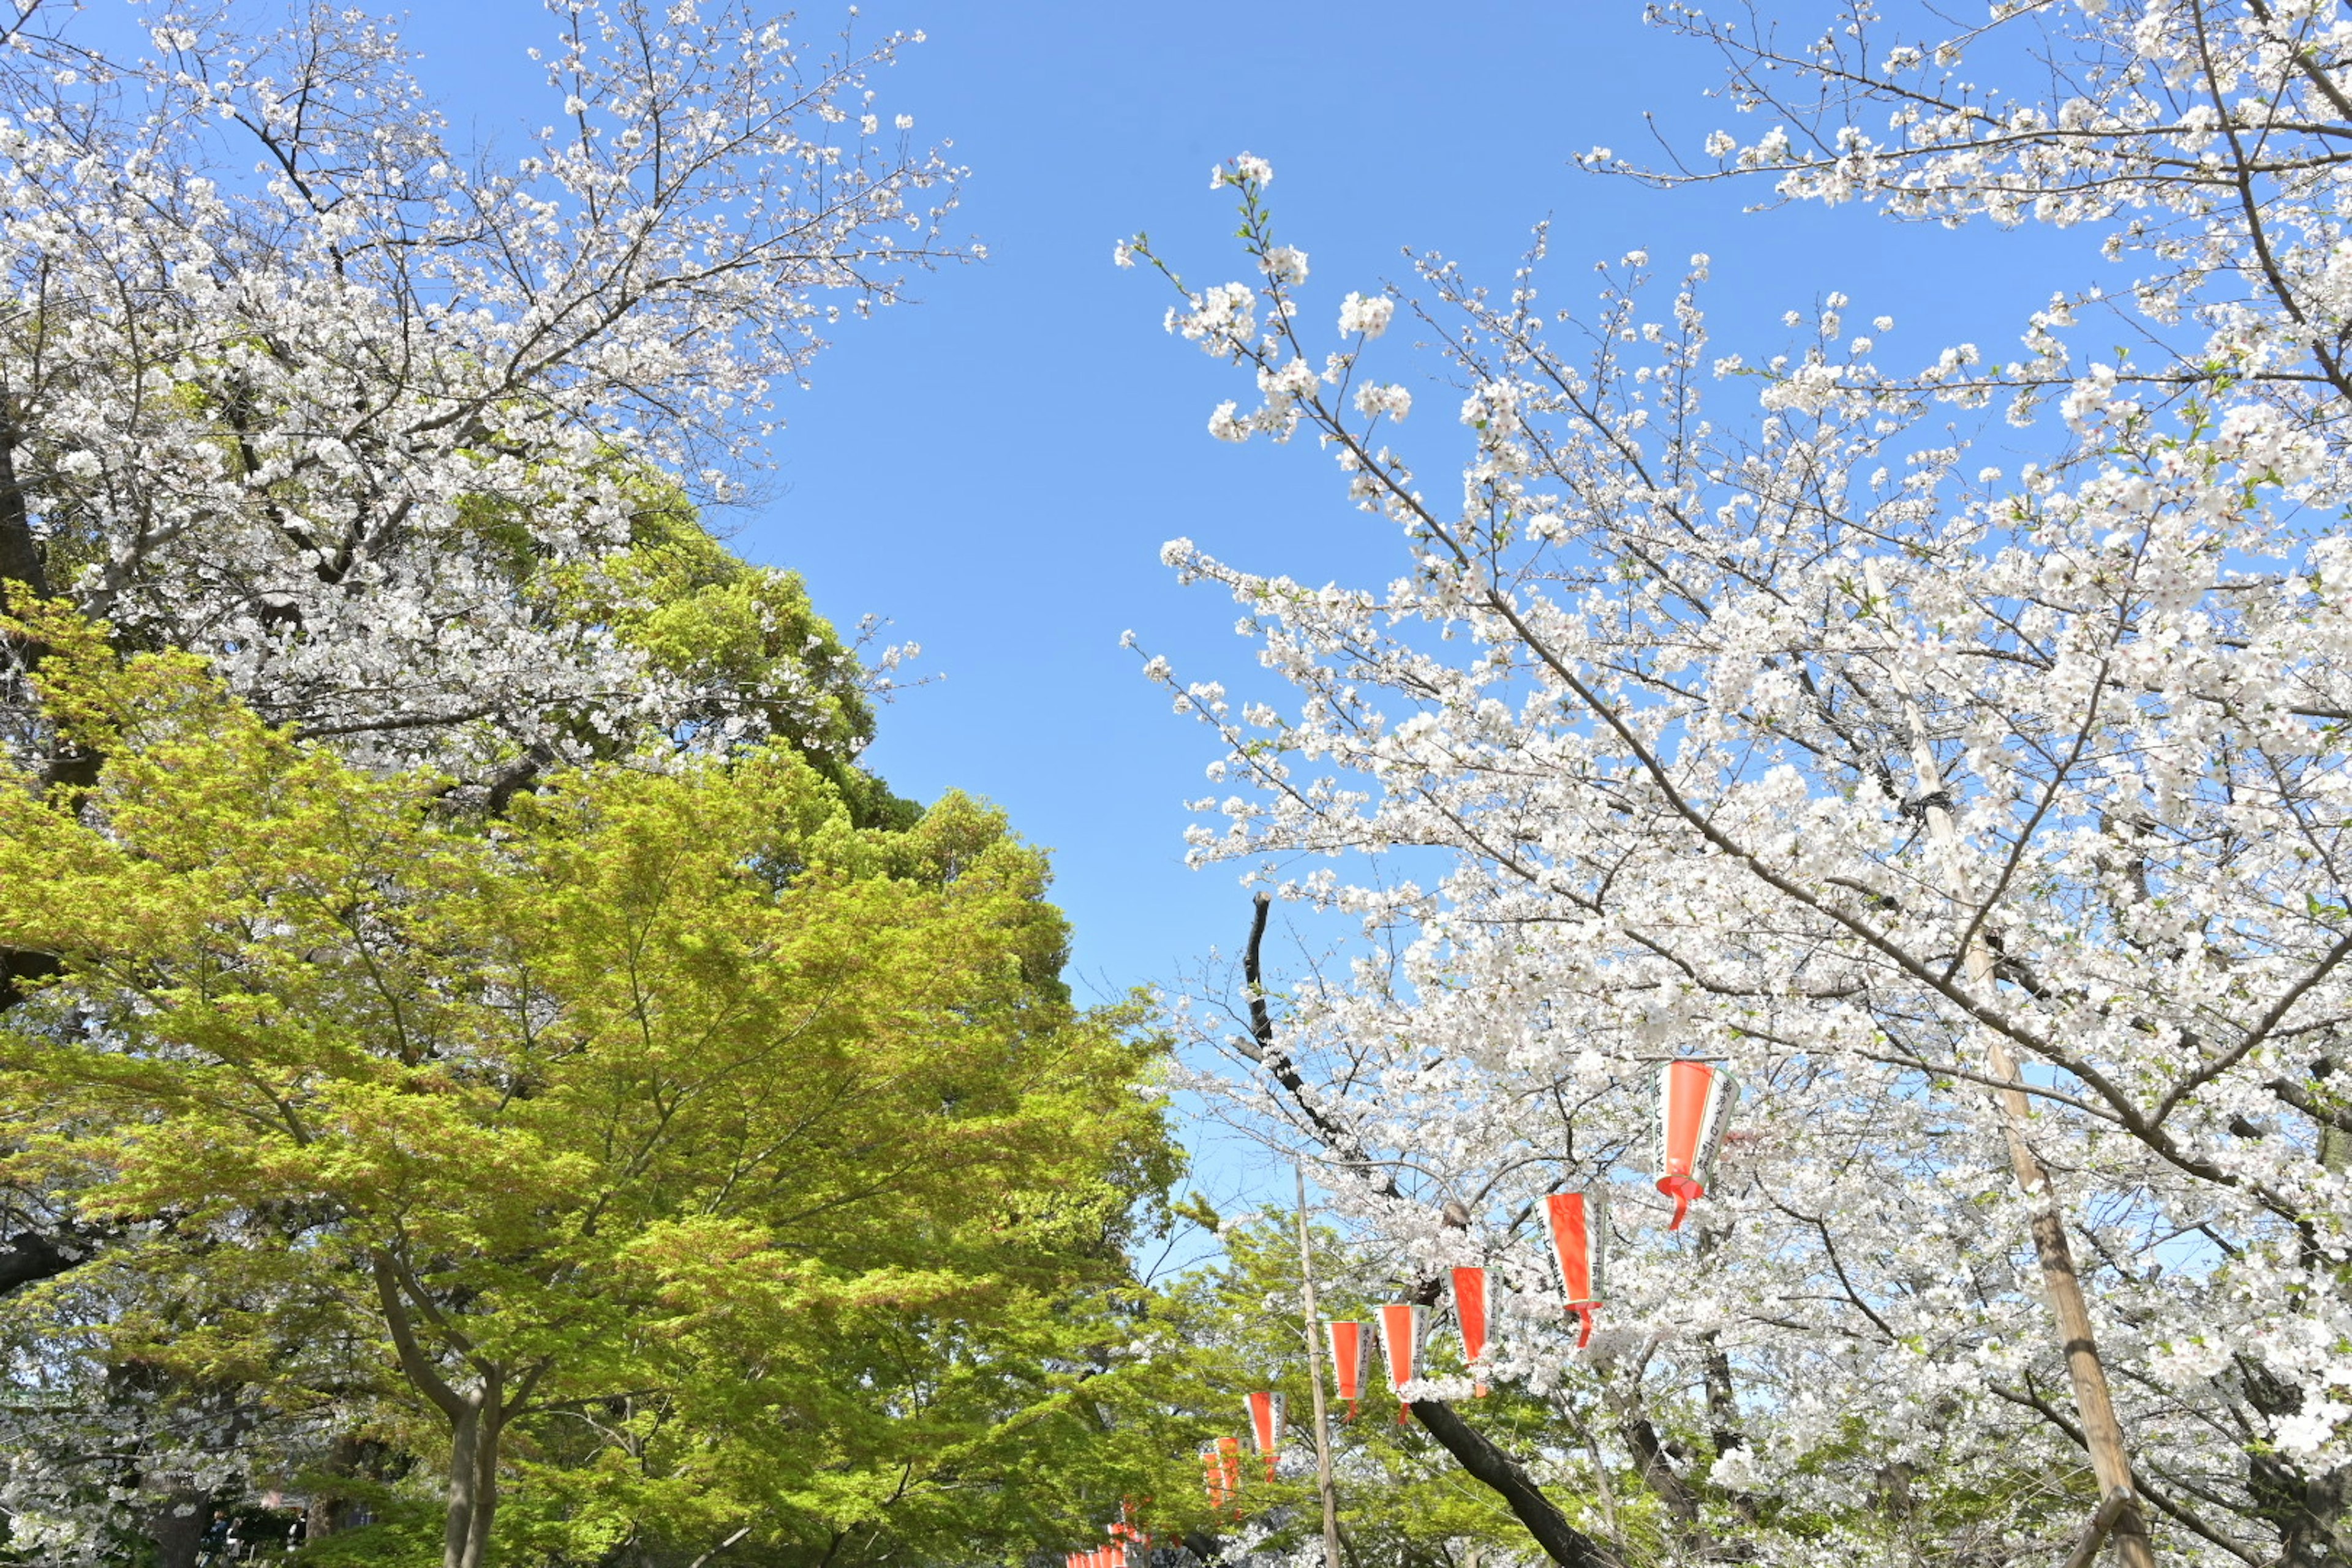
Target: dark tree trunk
<point>20,554</point>
<point>18,966</point>
<point>29,1256</point>
<point>176,1528</point>
<point>1657,1472</point>
<point>2309,1511</point>
<point>1561,1541</point>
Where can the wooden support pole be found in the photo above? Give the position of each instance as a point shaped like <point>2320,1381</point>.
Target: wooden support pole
<point>1315,1382</point>
<point>2087,1550</point>
<point>2102,1433</point>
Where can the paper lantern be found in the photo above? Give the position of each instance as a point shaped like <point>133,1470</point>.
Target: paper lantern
<point>1578,1223</point>
<point>1401,1326</point>
<point>1268,1412</point>
<point>1474,1314</point>
<point>1349,1343</point>
<point>1695,1101</point>
<point>1124,1529</point>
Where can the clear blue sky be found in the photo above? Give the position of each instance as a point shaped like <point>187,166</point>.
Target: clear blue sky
<point>995,467</point>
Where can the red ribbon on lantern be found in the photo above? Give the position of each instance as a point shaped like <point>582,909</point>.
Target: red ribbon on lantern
<point>1578,1223</point>
<point>1695,1101</point>
<point>1348,1344</point>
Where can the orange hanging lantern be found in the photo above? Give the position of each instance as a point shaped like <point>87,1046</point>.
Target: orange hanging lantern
<point>1474,1314</point>
<point>1349,1341</point>
<point>1695,1101</point>
<point>1212,1477</point>
<point>1268,1413</point>
<point>1578,1223</point>
<point>1401,1326</point>
<point>1125,1529</point>
<point>1229,1464</point>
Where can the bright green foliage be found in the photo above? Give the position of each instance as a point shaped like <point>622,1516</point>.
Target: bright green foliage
<point>724,1161</point>
<point>738,650</point>
<point>744,639</point>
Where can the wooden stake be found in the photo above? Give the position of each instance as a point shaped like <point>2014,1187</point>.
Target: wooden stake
<point>1315,1382</point>
<point>2102,1433</point>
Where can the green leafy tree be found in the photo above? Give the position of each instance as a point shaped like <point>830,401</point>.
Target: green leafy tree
<point>677,1158</point>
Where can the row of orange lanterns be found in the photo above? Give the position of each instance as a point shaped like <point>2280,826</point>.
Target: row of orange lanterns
<point>1124,1533</point>
<point>1694,1099</point>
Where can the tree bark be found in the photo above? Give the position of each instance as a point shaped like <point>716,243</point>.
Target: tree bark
<point>176,1528</point>
<point>476,1418</point>
<point>1657,1472</point>
<point>2308,1512</point>
<point>20,554</point>
<point>1722,1401</point>
<point>29,1256</point>
<point>473,1480</point>
<point>1561,1541</point>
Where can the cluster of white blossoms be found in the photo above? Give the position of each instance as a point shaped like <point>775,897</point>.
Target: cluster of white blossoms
<point>1647,750</point>
<point>1368,316</point>
<point>353,425</point>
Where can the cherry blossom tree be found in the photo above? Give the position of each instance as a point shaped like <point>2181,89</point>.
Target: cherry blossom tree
<point>1986,821</point>
<point>291,378</point>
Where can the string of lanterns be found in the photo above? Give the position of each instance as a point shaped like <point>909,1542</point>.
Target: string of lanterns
<point>1695,1101</point>
<point>1125,1535</point>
